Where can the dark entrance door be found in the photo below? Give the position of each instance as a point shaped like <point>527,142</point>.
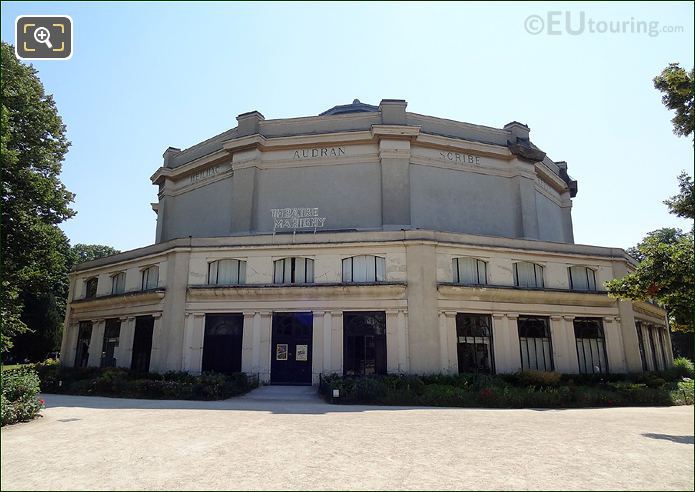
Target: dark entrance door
<point>142,344</point>
<point>291,348</point>
<point>84,335</point>
<point>364,343</point>
<point>111,334</point>
<point>222,343</point>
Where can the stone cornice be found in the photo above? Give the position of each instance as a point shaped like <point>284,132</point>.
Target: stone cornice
<point>371,291</point>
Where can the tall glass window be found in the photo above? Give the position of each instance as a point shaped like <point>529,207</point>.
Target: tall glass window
<point>118,283</point>
<point>364,343</point>
<point>591,346</point>
<point>227,272</point>
<point>582,278</point>
<point>84,335</point>
<point>474,343</point>
<point>528,275</point>
<point>294,271</point>
<point>470,271</point>
<point>640,341</point>
<point>112,332</point>
<point>535,344</point>
<point>364,268</point>
<point>91,287</point>
<point>150,278</point>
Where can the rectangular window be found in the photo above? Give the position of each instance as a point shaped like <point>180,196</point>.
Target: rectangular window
<point>150,278</point>
<point>227,272</point>
<point>118,283</point>
<point>364,343</point>
<point>474,343</point>
<point>294,271</point>
<point>640,341</point>
<point>582,278</point>
<point>112,331</point>
<point>535,344</point>
<point>91,287</point>
<point>470,271</point>
<point>528,275</point>
<point>653,346</point>
<point>84,335</point>
<point>364,268</point>
<point>591,346</point>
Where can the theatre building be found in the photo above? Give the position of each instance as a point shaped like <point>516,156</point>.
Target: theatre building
<point>365,240</point>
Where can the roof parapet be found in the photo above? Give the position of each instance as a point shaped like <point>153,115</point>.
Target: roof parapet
<point>169,155</point>
<point>248,123</point>
<point>393,111</point>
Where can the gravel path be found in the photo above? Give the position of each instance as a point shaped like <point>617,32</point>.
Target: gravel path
<point>264,442</point>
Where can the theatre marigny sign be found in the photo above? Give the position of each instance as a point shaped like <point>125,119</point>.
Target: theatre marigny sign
<point>296,218</point>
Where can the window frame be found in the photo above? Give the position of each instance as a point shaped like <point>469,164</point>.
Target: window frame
<point>114,276</point>
<point>486,340</point>
<point>87,283</point>
<point>536,276</point>
<point>549,337</point>
<point>143,272</point>
<point>293,271</point>
<point>604,368</point>
<point>588,282</point>
<point>455,264</point>
<point>240,271</point>
<point>377,261</point>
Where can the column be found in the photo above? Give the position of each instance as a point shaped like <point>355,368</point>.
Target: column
<point>669,345</point>
<point>614,347</point>
<point>247,355</point>
<point>337,341</point>
<point>443,349</point>
<point>564,353</point>
<point>392,342</point>
<point>327,340</point>
<point>403,357</point>
<point>124,351</point>
<point>317,363</point>
<point>157,362</point>
<point>69,344</point>
<point>96,343</point>
<point>573,367</point>
<point>187,342</point>
<point>266,321</point>
<point>500,343</point>
<point>197,342</point>
<point>512,331</point>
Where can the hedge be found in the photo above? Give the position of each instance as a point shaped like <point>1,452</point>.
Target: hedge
<point>118,382</point>
<point>20,389</point>
<point>527,389</point>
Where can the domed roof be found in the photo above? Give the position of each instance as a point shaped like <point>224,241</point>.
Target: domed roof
<point>356,107</point>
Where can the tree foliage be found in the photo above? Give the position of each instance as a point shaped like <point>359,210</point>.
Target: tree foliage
<point>678,88</point>
<point>682,204</point>
<point>665,274</point>
<point>34,200</point>
<point>89,252</point>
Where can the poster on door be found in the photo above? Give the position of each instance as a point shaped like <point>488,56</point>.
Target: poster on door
<point>281,351</point>
<point>302,352</point>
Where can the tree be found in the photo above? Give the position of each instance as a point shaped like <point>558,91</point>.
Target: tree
<point>44,309</point>
<point>89,252</point>
<point>665,274</point>
<point>34,200</point>
<point>678,88</point>
<point>682,204</point>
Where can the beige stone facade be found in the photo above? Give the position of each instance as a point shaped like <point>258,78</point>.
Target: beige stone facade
<point>334,196</point>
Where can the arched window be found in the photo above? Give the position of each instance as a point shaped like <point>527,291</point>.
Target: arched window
<point>582,278</point>
<point>470,271</point>
<point>150,277</point>
<point>364,268</point>
<point>91,285</point>
<point>528,275</point>
<point>227,272</point>
<point>118,283</point>
<point>294,271</point>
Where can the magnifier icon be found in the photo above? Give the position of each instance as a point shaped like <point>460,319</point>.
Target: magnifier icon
<point>43,35</point>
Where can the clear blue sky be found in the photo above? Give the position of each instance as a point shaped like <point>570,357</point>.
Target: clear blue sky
<point>145,76</point>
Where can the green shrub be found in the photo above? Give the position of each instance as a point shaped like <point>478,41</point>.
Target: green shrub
<point>539,378</point>
<point>20,389</point>
<point>684,368</point>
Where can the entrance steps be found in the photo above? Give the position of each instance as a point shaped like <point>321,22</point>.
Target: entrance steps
<point>283,393</point>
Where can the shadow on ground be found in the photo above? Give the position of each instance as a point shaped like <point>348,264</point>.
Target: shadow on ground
<point>667,437</point>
